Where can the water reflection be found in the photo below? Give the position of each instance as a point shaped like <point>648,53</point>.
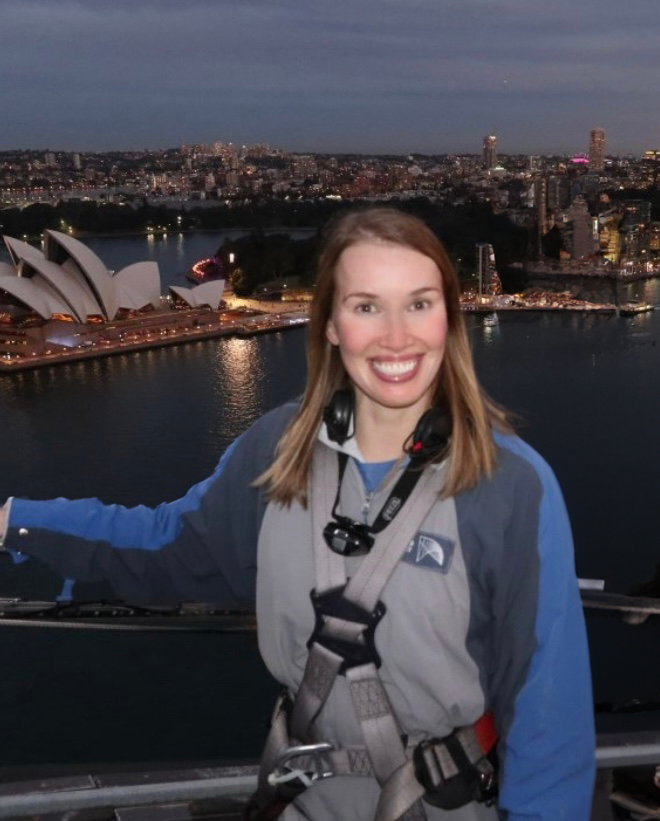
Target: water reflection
<point>238,378</point>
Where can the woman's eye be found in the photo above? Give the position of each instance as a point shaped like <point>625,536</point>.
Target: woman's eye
<point>420,304</point>
<point>365,308</point>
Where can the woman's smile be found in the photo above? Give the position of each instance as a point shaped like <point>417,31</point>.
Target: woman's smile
<point>397,370</point>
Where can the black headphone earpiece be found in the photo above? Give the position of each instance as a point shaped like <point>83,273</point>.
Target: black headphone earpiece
<point>338,415</point>
<point>429,439</point>
<point>431,435</point>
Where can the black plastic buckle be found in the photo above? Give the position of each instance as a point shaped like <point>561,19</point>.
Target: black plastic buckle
<point>474,782</point>
<point>333,604</point>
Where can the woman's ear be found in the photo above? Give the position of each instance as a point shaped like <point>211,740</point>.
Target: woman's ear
<point>331,333</point>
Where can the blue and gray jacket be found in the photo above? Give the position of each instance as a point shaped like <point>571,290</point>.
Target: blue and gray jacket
<point>483,610</point>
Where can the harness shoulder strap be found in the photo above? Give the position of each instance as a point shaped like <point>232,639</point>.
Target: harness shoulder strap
<point>401,792</point>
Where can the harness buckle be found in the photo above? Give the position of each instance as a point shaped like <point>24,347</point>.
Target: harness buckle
<point>332,604</point>
<point>452,776</point>
<point>296,779</point>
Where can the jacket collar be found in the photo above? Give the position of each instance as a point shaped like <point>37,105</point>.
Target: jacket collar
<point>350,446</point>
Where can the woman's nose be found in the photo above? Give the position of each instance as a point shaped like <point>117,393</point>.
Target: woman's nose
<point>395,334</point>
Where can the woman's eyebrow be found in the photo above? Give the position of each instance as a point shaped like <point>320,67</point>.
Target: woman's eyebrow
<point>416,292</point>
<point>360,295</point>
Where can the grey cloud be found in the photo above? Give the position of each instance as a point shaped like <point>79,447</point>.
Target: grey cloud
<point>316,68</point>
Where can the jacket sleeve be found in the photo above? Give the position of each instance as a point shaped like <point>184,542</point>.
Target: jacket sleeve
<point>542,689</point>
<point>201,547</point>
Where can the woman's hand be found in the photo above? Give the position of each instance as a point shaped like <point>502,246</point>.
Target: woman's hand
<point>3,522</point>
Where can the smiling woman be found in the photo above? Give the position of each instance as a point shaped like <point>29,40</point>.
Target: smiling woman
<point>389,322</point>
<point>409,558</point>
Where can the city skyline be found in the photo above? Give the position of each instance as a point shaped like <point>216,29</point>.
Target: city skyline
<point>427,76</point>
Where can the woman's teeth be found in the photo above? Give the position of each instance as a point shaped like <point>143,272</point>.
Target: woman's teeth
<point>395,368</point>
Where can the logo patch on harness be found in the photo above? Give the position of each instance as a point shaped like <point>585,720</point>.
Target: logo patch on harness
<point>430,551</point>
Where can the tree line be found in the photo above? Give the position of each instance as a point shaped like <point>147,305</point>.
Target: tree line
<point>265,258</point>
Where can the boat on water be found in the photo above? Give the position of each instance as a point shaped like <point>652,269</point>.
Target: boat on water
<point>207,270</point>
<point>491,320</point>
<point>634,308</point>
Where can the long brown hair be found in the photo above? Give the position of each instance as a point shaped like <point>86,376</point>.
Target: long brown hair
<point>471,449</point>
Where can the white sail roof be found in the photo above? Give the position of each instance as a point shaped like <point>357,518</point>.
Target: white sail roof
<point>73,289</point>
<point>75,281</point>
<point>90,266</point>
<point>39,296</point>
<point>130,298</point>
<point>19,250</point>
<point>142,277</point>
<point>208,293</point>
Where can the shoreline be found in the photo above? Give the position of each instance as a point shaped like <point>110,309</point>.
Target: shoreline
<point>250,326</point>
<point>271,317</point>
<point>277,229</point>
<point>586,309</point>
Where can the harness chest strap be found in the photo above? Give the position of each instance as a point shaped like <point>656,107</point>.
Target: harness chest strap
<point>401,792</point>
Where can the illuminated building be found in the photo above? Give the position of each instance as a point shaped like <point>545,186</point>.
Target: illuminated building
<point>485,266</point>
<point>64,298</point>
<point>490,152</point>
<point>654,236</point>
<point>559,192</point>
<point>541,199</point>
<point>597,142</point>
<point>583,244</point>
<point>610,236</point>
<point>636,213</point>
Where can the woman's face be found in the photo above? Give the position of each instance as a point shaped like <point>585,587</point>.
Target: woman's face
<point>389,321</point>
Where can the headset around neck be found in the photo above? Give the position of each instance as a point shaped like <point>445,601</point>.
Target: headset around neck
<point>429,441</point>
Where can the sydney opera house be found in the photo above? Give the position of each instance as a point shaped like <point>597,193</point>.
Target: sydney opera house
<point>64,300</point>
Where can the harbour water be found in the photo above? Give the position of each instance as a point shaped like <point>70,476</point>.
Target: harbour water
<point>143,427</point>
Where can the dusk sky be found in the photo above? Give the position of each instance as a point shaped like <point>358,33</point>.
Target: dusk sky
<point>373,76</point>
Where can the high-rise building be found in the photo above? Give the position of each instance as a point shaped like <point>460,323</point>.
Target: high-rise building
<point>541,203</point>
<point>559,192</point>
<point>485,266</point>
<point>490,151</point>
<point>636,213</point>
<point>597,142</point>
<point>584,239</point>
<point>610,236</point>
<point>654,236</point>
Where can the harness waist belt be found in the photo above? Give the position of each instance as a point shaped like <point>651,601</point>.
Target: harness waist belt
<point>442,761</point>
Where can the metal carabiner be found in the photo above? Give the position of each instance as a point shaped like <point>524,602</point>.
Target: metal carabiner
<point>280,775</point>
